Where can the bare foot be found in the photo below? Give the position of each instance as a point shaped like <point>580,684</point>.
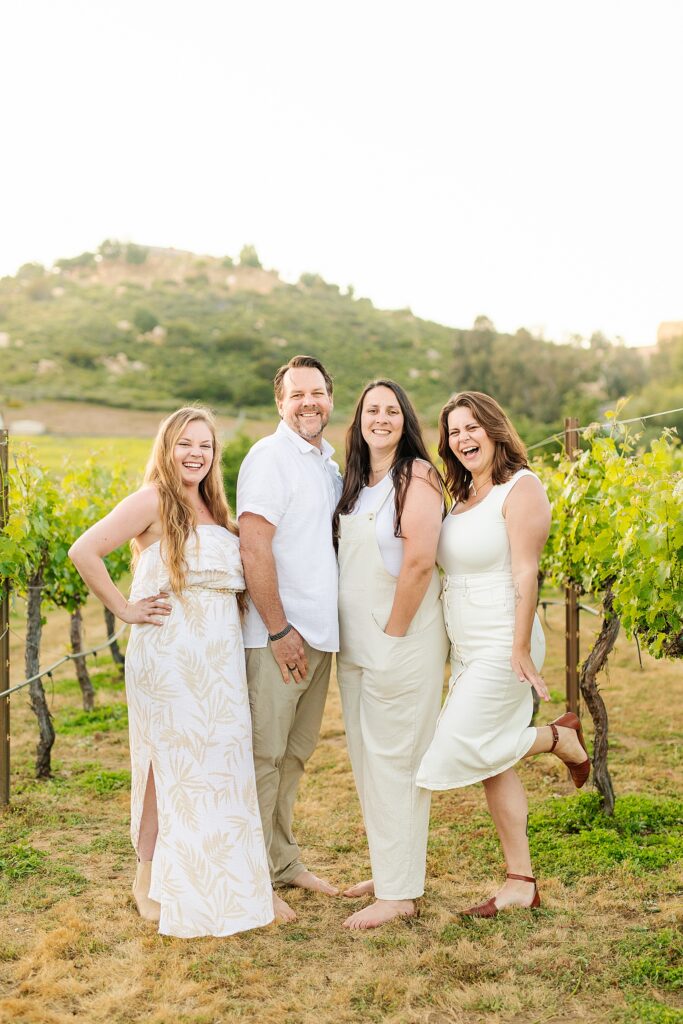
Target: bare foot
<point>381,912</point>
<point>515,894</point>
<point>361,889</point>
<point>307,880</point>
<point>283,912</point>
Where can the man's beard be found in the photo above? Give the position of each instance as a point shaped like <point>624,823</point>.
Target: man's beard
<point>313,433</point>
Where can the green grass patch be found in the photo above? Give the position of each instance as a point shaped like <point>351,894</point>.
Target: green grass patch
<point>572,837</point>
<point>113,842</point>
<point>133,452</point>
<point>9,953</point>
<point>107,677</point>
<point>104,783</point>
<point>649,1011</point>
<point>19,860</point>
<point>105,718</point>
<point>88,775</point>
<point>655,958</point>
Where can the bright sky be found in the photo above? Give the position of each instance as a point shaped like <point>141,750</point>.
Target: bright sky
<point>516,158</point>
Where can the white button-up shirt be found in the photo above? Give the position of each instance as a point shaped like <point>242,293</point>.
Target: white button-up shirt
<point>296,487</point>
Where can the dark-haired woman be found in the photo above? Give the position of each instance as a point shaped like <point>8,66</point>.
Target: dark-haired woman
<point>393,643</point>
<point>489,550</point>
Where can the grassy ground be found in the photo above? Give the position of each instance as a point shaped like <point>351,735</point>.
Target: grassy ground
<point>605,947</point>
<point>79,429</point>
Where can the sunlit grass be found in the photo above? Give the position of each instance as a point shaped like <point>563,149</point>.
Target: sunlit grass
<point>604,948</point>
<point>53,451</point>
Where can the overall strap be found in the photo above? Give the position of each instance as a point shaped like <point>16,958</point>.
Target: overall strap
<point>385,497</point>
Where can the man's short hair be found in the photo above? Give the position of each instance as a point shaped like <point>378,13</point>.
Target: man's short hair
<point>293,364</point>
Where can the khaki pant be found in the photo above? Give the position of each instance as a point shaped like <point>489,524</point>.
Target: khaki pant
<point>286,720</point>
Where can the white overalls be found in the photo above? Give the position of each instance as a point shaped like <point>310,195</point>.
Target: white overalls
<point>391,693</point>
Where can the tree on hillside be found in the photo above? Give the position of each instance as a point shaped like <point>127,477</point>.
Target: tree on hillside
<point>145,320</point>
<point>110,249</point>
<point>249,257</point>
<point>136,253</point>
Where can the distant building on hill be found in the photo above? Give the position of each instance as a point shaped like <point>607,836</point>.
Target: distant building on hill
<point>669,329</point>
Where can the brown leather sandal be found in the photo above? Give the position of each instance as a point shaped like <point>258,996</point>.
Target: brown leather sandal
<point>580,771</point>
<point>489,909</point>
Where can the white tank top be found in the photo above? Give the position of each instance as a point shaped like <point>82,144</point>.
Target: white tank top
<point>381,497</point>
<point>476,540</point>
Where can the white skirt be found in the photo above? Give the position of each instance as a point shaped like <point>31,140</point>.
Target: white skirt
<point>483,728</point>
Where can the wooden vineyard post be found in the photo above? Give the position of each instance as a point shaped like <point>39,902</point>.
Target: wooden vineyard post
<point>4,632</point>
<point>571,601</point>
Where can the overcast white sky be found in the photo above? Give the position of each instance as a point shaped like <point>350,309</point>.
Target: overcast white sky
<point>518,158</point>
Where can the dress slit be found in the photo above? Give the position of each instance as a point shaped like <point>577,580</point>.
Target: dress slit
<point>145,810</point>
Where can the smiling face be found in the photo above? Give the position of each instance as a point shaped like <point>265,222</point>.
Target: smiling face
<point>381,421</point>
<point>469,442</point>
<point>305,405</point>
<point>193,453</point>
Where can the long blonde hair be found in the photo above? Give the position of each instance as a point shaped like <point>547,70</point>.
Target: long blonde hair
<point>178,518</point>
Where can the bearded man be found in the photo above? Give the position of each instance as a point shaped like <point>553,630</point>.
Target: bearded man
<point>287,491</point>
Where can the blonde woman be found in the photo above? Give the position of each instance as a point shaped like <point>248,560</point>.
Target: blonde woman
<point>195,824</point>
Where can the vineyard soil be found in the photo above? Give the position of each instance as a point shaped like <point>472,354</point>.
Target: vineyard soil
<point>605,947</point>
<point>80,428</point>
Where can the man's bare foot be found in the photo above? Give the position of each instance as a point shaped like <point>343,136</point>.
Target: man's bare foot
<point>381,912</point>
<point>307,880</point>
<point>283,912</point>
<point>361,889</point>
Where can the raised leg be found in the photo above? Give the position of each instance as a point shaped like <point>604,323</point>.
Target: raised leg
<point>568,748</point>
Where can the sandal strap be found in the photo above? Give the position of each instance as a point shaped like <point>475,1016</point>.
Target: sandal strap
<point>520,878</point>
<point>556,736</point>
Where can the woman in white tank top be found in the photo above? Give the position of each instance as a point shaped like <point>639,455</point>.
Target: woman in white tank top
<point>489,550</point>
<point>392,640</point>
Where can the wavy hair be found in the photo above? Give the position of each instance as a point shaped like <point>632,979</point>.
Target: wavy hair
<point>510,452</point>
<point>178,519</point>
<point>357,471</point>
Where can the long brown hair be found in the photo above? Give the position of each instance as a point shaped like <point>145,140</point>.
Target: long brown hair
<point>177,516</point>
<point>509,454</point>
<point>357,471</point>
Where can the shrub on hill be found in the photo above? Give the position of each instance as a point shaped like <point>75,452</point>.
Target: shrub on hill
<point>222,343</point>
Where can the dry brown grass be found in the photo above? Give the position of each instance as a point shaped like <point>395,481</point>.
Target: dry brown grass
<point>84,419</point>
<point>603,948</point>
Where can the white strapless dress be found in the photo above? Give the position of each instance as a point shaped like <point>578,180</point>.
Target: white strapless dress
<point>483,728</point>
<point>189,719</point>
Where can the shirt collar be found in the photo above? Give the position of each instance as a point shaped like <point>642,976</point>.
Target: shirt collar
<point>301,443</point>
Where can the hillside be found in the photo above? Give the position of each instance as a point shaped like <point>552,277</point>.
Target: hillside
<point>148,328</point>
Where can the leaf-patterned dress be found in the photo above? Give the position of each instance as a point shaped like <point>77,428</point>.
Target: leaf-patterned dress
<point>189,718</point>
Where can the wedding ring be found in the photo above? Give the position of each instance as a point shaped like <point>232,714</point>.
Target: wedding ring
<point>292,668</point>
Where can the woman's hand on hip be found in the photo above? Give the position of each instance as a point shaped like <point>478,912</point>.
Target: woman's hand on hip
<point>525,670</point>
<point>147,611</point>
<point>290,655</point>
